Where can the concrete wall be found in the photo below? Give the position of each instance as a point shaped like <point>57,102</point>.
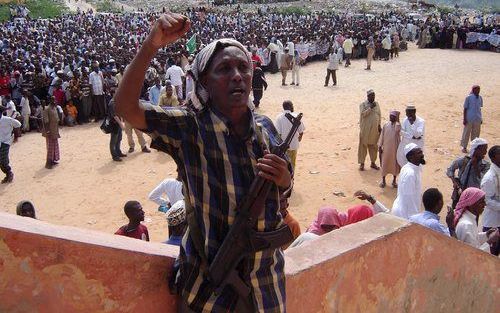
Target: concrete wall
<point>48,268</point>
<point>383,264</point>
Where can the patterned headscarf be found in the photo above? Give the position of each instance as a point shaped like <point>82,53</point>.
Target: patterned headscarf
<point>200,96</point>
<point>176,215</point>
<point>469,197</point>
<point>327,216</point>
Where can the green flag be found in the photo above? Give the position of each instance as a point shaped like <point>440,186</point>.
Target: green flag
<point>191,44</point>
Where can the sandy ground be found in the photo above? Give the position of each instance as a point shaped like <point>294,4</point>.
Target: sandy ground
<point>88,190</point>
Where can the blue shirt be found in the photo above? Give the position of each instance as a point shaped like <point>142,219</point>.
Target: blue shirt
<point>174,240</point>
<point>154,95</point>
<point>473,105</point>
<point>430,220</point>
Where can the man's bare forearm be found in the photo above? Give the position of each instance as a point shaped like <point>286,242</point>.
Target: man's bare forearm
<point>129,90</point>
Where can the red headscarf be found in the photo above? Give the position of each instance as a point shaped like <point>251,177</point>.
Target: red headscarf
<point>327,216</point>
<point>468,198</point>
<point>358,213</point>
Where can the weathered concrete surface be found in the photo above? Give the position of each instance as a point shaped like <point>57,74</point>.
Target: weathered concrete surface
<point>386,264</point>
<point>382,264</point>
<point>48,268</point>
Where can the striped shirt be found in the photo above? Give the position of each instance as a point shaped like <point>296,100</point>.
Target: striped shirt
<point>218,169</point>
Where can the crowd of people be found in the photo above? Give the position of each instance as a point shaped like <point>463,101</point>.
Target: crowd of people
<point>196,109</point>
<point>44,85</point>
<point>453,32</point>
<point>401,147</point>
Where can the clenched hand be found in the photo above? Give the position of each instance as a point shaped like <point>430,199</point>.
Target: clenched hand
<point>167,29</point>
<point>275,169</point>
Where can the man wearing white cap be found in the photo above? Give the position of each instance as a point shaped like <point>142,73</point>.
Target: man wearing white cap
<point>369,124</point>
<point>409,196</point>
<point>412,131</point>
<point>471,169</point>
<point>176,219</point>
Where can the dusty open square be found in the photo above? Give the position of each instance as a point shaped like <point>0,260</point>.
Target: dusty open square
<point>88,190</point>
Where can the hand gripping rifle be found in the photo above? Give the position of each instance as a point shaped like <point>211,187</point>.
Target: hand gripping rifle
<point>242,240</point>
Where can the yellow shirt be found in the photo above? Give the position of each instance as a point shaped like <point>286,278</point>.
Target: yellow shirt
<point>166,101</point>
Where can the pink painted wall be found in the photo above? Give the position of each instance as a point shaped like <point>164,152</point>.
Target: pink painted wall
<point>385,264</point>
<point>380,265</point>
<point>48,268</point>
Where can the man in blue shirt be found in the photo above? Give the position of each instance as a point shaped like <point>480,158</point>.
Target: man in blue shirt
<point>472,117</point>
<point>433,203</point>
<point>154,92</point>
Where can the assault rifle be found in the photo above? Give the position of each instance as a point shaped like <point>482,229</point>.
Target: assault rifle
<point>242,240</point>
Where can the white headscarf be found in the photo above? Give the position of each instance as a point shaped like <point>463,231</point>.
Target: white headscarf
<point>476,143</point>
<point>199,95</point>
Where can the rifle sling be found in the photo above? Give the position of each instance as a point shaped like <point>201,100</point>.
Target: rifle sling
<point>271,239</point>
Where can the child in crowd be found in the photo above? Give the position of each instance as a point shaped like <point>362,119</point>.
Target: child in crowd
<point>134,229</point>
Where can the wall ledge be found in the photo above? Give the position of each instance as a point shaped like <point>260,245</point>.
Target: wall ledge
<point>85,236</point>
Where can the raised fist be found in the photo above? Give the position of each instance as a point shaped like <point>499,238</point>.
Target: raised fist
<point>167,29</point>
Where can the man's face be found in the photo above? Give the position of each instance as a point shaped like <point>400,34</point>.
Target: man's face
<point>229,79</point>
<point>411,114</point>
<point>476,91</point>
<point>439,206</point>
<point>479,206</point>
<point>393,118</point>
<point>169,91</point>
<point>496,158</point>
<point>480,152</point>
<point>417,157</point>
<point>371,97</point>
<point>137,214</point>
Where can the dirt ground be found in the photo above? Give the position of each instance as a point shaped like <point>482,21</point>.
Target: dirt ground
<point>89,190</point>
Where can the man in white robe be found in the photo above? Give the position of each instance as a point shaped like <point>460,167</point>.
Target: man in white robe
<point>412,131</point>
<point>409,196</point>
